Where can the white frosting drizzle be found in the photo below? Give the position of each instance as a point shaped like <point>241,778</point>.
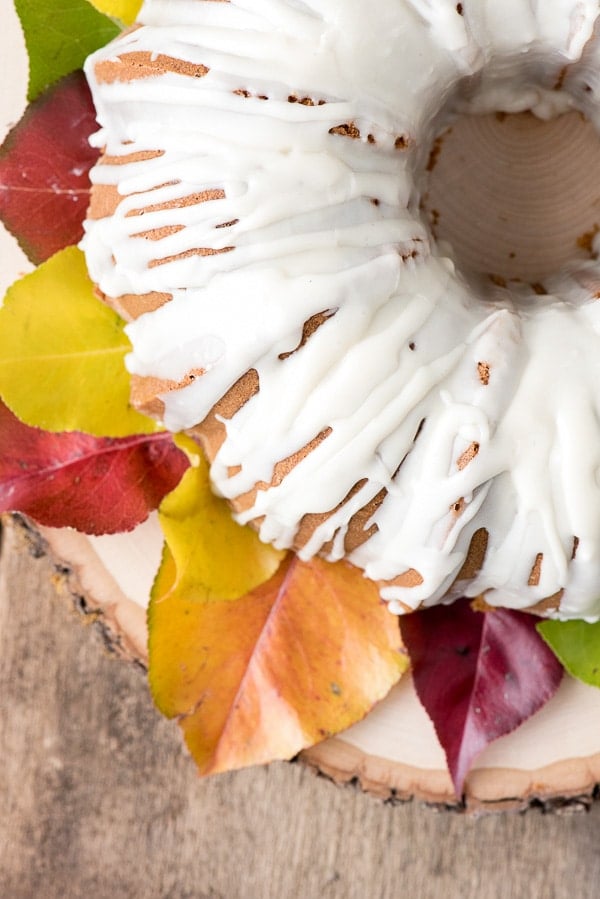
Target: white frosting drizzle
<point>395,373</point>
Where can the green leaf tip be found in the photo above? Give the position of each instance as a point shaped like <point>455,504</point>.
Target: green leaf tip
<point>59,37</point>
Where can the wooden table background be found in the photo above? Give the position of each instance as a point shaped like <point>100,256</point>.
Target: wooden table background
<point>99,799</point>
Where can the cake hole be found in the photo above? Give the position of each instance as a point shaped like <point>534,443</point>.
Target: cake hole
<point>515,197</point>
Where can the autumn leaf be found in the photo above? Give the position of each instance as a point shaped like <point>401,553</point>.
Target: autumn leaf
<point>125,10</point>
<point>577,645</point>
<point>62,352</point>
<point>59,37</point>
<point>213,554</point>
<point>97,485</point>
<point>297,659</point>
<point>478,675</point>
<point>44,169</point>
<point>260,676</point>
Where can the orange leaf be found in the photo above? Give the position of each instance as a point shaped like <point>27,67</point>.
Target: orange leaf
<point>259,678</point>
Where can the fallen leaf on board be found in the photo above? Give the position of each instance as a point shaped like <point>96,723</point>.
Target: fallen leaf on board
<point>478,675</point>
<point>97,485</point>
<point>59,37</point>
<point>259,677</point>
<point>62,352</point>
<point>213,554</point>
<point>577,645</point>
<point>44,169</point>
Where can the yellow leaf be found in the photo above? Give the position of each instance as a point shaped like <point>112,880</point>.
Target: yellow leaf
<point>297,659</point>
<point>62,352</point>
<point>125,10</point>
<point>212,554</point>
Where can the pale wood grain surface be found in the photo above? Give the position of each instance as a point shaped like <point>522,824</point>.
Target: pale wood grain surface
<point>100,800</point>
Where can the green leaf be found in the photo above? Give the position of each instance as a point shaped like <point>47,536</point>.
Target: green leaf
<point>62,354</point>
<point>59,36</point>
<point>577,645</point>
<point>125,10</point>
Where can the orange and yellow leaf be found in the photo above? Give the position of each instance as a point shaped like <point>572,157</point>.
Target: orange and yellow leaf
<point>296,659</point>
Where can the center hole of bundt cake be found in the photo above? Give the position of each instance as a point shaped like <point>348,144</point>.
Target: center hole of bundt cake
<point>517,198</point>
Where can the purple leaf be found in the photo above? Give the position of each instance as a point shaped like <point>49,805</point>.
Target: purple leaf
<point>478,675</point>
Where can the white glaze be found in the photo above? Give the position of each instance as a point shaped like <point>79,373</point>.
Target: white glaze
<point>307,238</point>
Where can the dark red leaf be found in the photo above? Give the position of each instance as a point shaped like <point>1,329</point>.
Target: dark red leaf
<point>97,485</point>
<point>478,675</point>
<point>44,169</point>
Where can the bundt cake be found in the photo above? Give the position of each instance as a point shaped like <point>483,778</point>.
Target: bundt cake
<point>256,216</point>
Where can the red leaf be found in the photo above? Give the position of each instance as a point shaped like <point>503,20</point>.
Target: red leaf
<point>478,675</point>
<point>44,169</point>
<point>97,485</point>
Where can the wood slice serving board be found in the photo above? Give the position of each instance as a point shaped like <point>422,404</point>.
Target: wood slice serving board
<point>394,752</point>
